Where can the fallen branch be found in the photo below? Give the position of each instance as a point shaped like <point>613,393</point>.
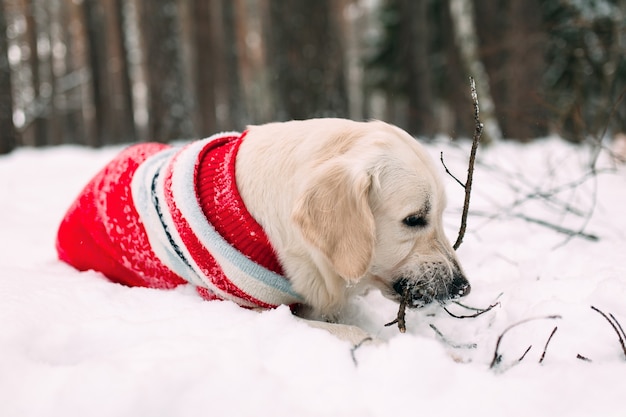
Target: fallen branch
<point>571,233</point>
<point>616,326</point>
<point>545,349</point>
<point>583,358</point>
<point>560,229</point>
<point>452,344</point>
<point>400,318</point>
<point>478,130</point>
<point>525,352</point>
<point>470,316</point>
<point>355,347</point>
<point>448,171</point>
<point>497,357</point>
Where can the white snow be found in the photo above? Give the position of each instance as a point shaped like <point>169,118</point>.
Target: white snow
<point>74,344</point>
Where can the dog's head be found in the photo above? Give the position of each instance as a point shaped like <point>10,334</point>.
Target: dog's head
<point>373,208</point>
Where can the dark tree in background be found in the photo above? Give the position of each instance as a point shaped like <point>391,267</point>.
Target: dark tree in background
<point>586,65</point>
<point>98,72</point>
<point>169,108</point>
<point>306,59</point>
<point>36,23</point>
<point>7,129</point>
<point>402,65</point>
<point>110,77</point>
<point>204,41</point>
<point>512,40</point>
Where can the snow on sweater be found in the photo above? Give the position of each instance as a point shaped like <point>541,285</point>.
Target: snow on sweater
<point>158,216</point>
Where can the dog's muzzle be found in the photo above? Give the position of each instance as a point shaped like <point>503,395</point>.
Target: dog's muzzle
<point>423,293</point>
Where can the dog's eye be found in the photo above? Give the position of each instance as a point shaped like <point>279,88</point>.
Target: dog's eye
<point>415,220</point>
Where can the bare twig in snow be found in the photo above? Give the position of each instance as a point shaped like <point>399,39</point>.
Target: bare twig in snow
<point>616,326</point>
<point>619,326</point>
<point>452,344</point>
<point>478,130</point>
<point>571,233</point>
<point>606,128</point>
<point>582,358</point>
<point>357,346</point>
<point>497,357</point>
<point>470,316</point>
<point>545,348</point>
<point>400,318</point>
<point>448,171</point>
<point>525,353</point>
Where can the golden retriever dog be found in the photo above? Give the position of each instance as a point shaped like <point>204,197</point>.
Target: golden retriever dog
<point>344,206</point>
<point>348,205</point>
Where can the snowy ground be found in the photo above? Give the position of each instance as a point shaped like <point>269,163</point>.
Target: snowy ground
<point>73,344</point>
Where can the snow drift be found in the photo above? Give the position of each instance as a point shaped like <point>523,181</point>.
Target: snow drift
<point>74,344</point>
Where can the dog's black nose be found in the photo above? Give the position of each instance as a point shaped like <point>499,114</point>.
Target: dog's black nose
<point>459,287</point>
<point>400,286</point>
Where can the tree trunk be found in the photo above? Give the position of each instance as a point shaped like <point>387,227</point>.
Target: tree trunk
<point>462,13</point>
<point>414,15</point>
<point>235,108</point>
<point>110,78</point>
<point>456,113</point>
<point>8,134</point>
<point>36,124</point>
<point>306,61</point>
<point>122,90</point>
<point>204,66</point>
<point>169,115</point>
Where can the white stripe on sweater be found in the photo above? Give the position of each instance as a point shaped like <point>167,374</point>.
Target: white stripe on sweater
<point>247,275</point>
<point>250,277</point>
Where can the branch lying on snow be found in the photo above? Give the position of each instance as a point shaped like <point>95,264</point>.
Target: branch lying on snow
<point>616,326</point>
<point>560,229</point>
<point>478,130</point>
<point>357,346</point>
<point>521,358</point>
<point>467,186</point>
<point>479,311</point>
<point>452,344</point>
<point>545,349</point>
<point>400,318</point>
<point>551,196</point>
<point>497,357</point>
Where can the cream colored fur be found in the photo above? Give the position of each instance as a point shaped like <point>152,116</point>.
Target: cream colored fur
<point>332,195</point>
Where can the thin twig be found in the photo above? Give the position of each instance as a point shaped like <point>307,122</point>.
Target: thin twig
<point>606,128</point>
<point>400,318</point>
<point>451,344</point>
<point>478,311</point>
<point>525,353</point>
<point>615,327</point>
<point>497,357</point>
<point>355,347</point>
<point>450,173</point>
<point>582,358</point>
<point>545,349</point>
<point>470,170</point>
<point>618,325</point>
<point>571,233</point>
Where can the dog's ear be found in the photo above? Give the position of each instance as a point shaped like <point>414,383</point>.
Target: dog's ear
<point>334,216</point>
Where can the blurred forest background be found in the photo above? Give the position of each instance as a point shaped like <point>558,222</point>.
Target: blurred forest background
<point>99,72</point>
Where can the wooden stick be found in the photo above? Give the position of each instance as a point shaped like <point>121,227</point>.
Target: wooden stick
<point>545,349</point>
<point>497,357</point>
<point>478,130</point>
<point>616,326</point>
<point>400,318</point>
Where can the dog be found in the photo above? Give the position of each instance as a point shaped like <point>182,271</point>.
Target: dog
<point>304,213</point>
